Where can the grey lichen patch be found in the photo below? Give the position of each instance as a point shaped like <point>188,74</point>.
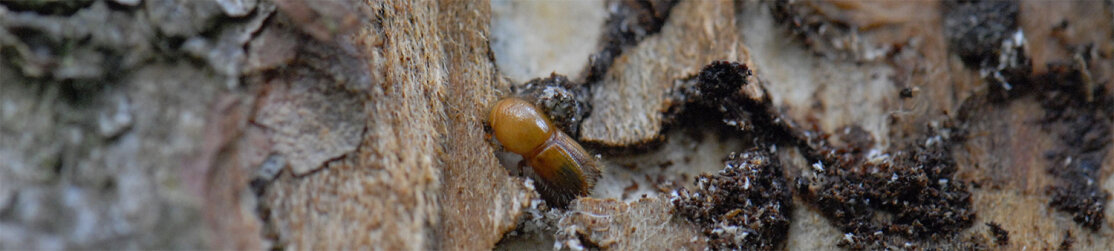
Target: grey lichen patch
<point>225,51</point>
<point>48,7</point>
<point>234,8</point>
<point>100,42</point>
<point>628,103</point>
<point>106,172</point>
<point>86,46</point>
<point>182,18</point>
<point>106,127</point>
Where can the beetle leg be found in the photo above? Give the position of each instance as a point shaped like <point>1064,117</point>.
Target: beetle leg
<point>521,166</point>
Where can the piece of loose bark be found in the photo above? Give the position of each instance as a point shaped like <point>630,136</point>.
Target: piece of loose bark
<point>629,102</point>
<point>423,175</point>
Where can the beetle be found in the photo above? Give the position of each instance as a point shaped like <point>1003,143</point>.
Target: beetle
<point>563,168</point>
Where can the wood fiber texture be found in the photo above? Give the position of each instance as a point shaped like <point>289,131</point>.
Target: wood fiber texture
<point>360,124</point>
<point>629,102</point>
<point>423,177</point>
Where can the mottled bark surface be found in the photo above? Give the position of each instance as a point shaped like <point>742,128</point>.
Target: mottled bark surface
<point>353,124</point>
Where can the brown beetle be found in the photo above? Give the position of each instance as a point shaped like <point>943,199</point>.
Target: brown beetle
<point>564,169</point>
